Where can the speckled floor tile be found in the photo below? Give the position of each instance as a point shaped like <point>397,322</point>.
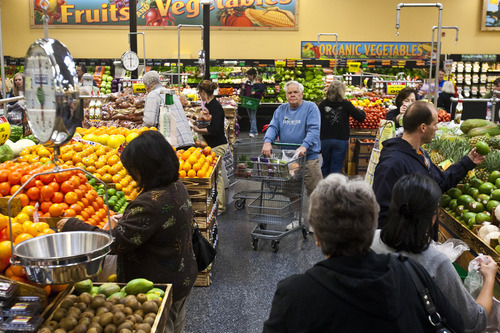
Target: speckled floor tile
<point>244,280</point>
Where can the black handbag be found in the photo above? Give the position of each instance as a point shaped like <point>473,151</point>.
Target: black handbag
<point>203,250</point>
<point>435,319</point>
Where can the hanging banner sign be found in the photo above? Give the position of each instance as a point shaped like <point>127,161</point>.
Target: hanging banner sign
<point>363,50</point>
<point>224,14</point>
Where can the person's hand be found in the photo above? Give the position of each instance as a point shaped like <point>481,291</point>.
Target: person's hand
<point>301,150</point>
<point>403,108</point>
<point>266,149</point>
<point>475,156</point>
<point>60,224</point>
<point>489,268</point>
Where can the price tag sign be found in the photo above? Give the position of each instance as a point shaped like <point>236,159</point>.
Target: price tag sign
<point>354,67</point>
<point>139,87</point>
<point>279,63</point>
<point>4,130</point>
<point>394,89</point>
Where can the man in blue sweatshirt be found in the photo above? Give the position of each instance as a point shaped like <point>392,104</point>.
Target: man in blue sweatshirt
<point>298,122</point>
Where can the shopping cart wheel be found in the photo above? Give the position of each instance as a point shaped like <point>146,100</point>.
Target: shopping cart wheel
<point>255,242</point>
<point>275,245</point>
<point>304,233</point>
<point>239,204</point>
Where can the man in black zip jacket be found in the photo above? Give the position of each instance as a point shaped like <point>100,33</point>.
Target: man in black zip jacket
<point>403,156</point>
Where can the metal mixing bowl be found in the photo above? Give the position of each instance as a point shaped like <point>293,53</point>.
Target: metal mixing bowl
<point>62,257</point>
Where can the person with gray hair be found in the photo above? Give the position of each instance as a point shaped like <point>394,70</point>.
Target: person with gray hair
<point>335,111</point>
<point>444,99</point>
<point>156,99</point>
<point>354,289</point>
<point>297,122</point>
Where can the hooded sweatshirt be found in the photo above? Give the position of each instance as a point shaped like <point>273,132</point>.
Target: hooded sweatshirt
<point>366,293</point>
<point>398,158</point>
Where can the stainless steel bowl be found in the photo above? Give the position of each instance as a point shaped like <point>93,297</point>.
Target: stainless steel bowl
<point>62,257</point>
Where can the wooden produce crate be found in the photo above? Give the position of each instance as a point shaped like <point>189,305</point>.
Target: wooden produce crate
<point>204,278</point>
<point>449,227</point>
<point>203,194</point>
<point>353,152</point>
<point>230,113</point>
<point>159,324</point>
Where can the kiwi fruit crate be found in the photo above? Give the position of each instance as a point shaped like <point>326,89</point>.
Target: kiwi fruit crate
<point>87,313</point>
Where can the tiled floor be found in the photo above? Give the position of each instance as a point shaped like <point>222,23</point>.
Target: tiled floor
<point>244,280</point>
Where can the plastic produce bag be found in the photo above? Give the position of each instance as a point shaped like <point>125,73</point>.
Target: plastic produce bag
<point>108,268</point>
<point>289,156</point>
<point>452,248</point>
<point>167,125</point>
<point>473,283</point>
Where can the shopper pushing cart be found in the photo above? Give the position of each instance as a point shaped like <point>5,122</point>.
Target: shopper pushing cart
<point>298,122</point>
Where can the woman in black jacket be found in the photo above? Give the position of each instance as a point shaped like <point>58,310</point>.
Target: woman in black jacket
<point>335,112</point>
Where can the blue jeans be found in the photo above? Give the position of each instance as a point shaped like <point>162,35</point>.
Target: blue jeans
<point>333,152</point>
<point>252,114</point>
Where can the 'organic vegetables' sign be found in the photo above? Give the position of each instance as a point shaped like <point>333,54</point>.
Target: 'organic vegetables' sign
<point>252,14</point>
<point>361,50</point>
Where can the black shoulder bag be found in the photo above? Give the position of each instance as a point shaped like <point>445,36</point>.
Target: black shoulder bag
<point>203,250</point>
<point>435,319</point>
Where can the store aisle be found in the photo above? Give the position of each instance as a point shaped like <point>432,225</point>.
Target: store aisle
<point>244,280</point>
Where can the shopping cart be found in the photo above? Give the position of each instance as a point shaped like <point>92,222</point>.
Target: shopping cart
<point>277,199</point>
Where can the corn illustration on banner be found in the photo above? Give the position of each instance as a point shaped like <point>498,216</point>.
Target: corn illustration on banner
<point>224,14</point>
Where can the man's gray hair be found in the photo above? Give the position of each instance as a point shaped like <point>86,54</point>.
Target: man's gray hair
<point>289,83</point>
<point>151,78</point>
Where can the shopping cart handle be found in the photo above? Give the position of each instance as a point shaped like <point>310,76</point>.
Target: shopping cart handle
<point>287,144</point>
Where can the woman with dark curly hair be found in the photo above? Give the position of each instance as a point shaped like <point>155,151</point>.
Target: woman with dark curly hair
<point>152,239</point>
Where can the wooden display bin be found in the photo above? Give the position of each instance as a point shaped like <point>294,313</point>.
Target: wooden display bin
<point>230,113</point>
<point>203,194</point>
<point>161,317</point>
<point>449,227</point>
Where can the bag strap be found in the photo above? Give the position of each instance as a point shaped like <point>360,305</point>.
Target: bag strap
<point>425,295</point>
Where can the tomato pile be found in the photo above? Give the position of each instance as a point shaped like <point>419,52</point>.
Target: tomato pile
<point>373,116</point>
<point>443,116</point>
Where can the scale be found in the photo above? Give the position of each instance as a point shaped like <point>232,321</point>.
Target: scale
<point>54,111</point>
<point>130,60</point>
<point>51,92</point>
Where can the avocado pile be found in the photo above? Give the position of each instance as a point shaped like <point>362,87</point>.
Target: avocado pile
<point>107,308</point>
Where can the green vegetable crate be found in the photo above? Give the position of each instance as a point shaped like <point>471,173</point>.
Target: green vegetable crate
<point>250,102</point>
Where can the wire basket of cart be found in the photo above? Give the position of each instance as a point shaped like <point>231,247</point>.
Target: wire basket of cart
<point>277,199</point>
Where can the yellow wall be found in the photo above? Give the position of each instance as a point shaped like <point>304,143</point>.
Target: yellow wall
<point>354,20</point>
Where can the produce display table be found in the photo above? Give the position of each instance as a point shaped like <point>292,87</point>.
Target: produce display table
<point>203,194</point>
<point>449,227</point>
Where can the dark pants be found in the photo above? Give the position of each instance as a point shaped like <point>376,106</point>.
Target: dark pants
<point>333,152</point>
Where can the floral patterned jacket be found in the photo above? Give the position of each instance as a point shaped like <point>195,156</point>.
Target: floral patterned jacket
<point>153,239</point>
